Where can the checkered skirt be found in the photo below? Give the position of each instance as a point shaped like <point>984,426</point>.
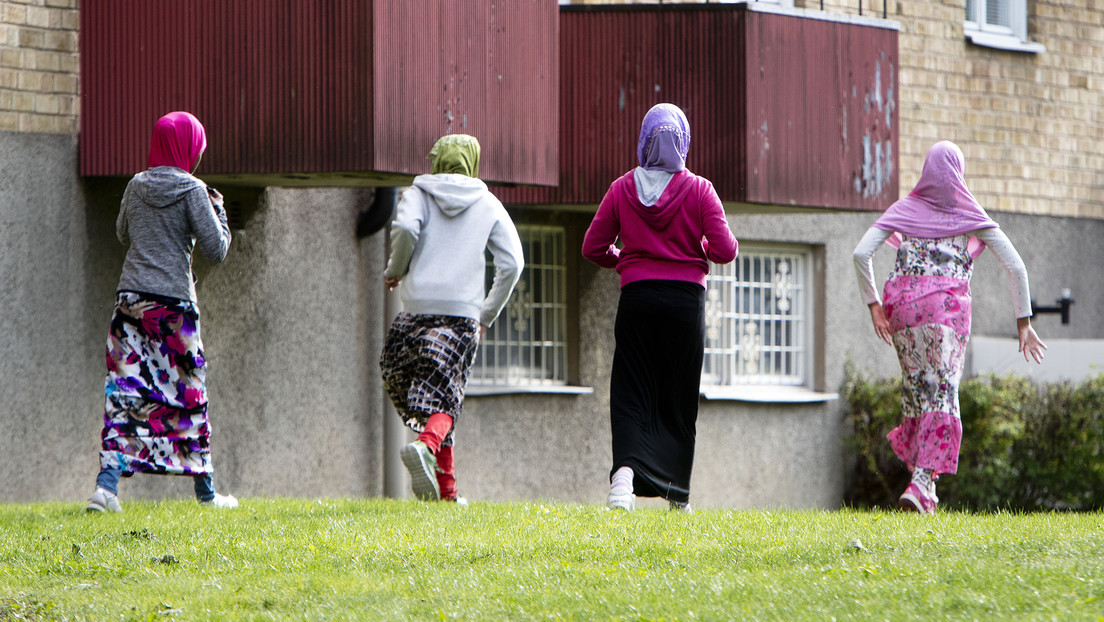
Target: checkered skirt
<point>425,364</point>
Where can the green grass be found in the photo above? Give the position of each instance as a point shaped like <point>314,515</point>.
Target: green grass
<point>385,560</point>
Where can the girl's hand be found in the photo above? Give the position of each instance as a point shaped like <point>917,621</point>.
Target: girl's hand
<point>391,282</point>
<point>1030,344</point>
<point>881,323</point>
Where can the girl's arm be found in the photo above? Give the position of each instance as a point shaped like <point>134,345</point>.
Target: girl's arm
<point>598,243</point>
<point>863,256</point>
<point>998,242</point>
<point>719,244</point>
<point>1029,342</point>
<point>407,226</point>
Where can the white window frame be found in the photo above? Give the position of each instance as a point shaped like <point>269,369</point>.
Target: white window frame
<point>1004,37</point>
<point>743,308</point>
<point>531,332</point>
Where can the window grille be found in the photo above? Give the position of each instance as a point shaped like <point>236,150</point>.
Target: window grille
<point>527,344</point>
<point>758,319</point>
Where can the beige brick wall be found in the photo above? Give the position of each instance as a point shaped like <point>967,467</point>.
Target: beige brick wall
<point>38,66</point>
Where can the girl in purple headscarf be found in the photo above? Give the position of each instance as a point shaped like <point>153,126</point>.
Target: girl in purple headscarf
<point>938,231</point>
<point>670,224</point>
<point>155,415</point>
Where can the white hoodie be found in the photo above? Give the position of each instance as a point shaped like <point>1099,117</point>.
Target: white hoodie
<point>442,228</point>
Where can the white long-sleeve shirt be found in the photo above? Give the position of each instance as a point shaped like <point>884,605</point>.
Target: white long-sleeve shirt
<point>994,239</point>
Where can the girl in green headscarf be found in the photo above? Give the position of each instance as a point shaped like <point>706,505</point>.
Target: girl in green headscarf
<point>443,226</point>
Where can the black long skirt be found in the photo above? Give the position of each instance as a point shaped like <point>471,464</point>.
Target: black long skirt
<point>655,383</point>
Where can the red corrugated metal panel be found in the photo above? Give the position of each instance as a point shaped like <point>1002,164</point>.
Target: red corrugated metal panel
<point>282,87</point>
<point>822,113</point>
<point>763,91</point>
<point>616,64</point>
<point>291,89</point>
<point>507,95</point>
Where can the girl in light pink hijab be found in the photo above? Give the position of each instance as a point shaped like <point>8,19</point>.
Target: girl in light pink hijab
<point>938,231</point>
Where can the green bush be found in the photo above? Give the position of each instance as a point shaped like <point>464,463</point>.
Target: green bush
<point>1024,446</point>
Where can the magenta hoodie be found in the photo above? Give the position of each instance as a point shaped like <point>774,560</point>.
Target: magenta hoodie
<point>672,240</point>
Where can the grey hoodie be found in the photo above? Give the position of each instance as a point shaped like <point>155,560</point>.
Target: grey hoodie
<point>443,226</point>
<point>165,213</point>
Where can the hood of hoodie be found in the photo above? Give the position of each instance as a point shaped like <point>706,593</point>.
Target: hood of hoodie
<point>162,186</point>
<point>452,192</point>
<point>658,216</point>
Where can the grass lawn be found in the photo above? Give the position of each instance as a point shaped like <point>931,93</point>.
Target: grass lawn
<point>396,560</point>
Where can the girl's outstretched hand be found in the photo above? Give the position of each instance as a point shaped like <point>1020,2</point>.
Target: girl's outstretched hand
<point>881,323</point>
<point>1030,344</point>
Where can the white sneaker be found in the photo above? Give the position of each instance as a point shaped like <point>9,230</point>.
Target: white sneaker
<point>221,501</point>
<point>103,500</point>
<point>621,498</point>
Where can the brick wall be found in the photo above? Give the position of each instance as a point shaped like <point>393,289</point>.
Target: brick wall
<point>38,66</point>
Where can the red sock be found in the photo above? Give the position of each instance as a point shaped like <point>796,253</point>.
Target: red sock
<point>446,474</point>
<point>436,429</point>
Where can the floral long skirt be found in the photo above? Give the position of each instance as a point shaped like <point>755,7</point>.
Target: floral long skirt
<point>425,364</point>
<point>930,433</point>
<point>155,416</point>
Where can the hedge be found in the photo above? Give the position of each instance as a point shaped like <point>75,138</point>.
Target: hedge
<point>1025,446</point>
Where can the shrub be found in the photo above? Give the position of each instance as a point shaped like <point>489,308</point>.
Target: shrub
<point>1024,446</point>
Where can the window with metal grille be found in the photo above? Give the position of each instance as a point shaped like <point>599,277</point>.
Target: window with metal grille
<point>758,318</point>
<point>527,344</point>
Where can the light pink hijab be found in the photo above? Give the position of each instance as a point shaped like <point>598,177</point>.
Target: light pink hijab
<point>940,205</point>
<point>178,140</point>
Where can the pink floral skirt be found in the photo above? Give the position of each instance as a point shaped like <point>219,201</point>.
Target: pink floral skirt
<point>930,433</point>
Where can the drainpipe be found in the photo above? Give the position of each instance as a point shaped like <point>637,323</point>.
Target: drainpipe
<point>396,483</point>
<point>395,479</point>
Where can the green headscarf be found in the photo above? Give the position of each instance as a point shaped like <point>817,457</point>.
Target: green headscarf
<point>456,153</point>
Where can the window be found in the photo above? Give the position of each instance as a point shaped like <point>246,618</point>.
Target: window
<point>999,24</point>
<point>526,347</point>
<point>758,319</point>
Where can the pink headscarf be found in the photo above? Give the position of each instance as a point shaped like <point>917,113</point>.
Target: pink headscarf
<point>940,205</point>
<point>178,140</point>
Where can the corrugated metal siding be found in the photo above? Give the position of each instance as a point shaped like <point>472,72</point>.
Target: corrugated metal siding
<point>282,87</point>
<point>822,113</point>
<point>291,89</point>
<point>507,95</point>
<point>764,93</point>
<point>616,64</point>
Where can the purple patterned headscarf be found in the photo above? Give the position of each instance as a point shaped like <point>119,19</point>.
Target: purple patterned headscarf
<point>940,205</point>
<point>664,139</point>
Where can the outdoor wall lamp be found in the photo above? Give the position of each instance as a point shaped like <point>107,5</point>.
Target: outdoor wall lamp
<point>1063,307</point>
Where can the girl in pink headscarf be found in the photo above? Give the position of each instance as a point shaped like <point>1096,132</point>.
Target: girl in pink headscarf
<point>938,231</point>
<point>155,418</point>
